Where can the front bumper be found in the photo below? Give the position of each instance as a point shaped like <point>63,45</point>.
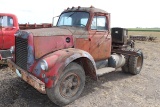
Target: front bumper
<point>4,55</point>
<point>29,78</point>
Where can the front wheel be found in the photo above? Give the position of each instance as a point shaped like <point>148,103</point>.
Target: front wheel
<point>69,86</point>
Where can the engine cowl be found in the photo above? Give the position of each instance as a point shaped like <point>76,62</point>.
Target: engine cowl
<point>47,44</point>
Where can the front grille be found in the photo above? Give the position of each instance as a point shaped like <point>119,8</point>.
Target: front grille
<point>21,52</point>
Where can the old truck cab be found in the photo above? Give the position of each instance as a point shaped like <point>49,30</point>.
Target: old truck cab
<point>8,27</point>
<point>56,60</point>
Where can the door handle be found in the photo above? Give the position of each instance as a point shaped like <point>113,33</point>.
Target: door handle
<point>14,27</point>
<point>108,37</point>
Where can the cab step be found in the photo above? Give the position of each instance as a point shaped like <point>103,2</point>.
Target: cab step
<point>105,70</point>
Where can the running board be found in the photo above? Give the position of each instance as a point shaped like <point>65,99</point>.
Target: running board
<point>105,70</point>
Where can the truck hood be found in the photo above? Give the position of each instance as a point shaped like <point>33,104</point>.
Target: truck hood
<point>59,31</point>
<point>48,40</point>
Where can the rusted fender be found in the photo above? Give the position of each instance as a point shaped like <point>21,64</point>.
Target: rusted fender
<point>57,62</point>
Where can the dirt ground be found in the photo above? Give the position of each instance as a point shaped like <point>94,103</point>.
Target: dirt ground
<point>115,89</point>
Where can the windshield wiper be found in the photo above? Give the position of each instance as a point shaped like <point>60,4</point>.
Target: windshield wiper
<point>71,14</point>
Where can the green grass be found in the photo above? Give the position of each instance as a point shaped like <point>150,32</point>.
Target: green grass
<point>144,29</point>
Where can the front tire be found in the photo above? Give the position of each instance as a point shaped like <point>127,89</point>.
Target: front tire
<point>69,86</point>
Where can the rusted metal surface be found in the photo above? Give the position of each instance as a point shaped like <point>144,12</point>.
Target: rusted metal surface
<point>59,31</point>
<point>57,62</point>
<point>51,44</point>
<point>85,9</point>
<point>29,78</point>
<point>34,26</point>
<point>55,38</point>
<point>83,44</point>
<point>49,52</point>
<point>143,38</point>
<point>54,63</point>
<point>98,45</point>
<point>55,31</point>
<point>130,52</point>
<point>70,85</point>
<point>100,41</point>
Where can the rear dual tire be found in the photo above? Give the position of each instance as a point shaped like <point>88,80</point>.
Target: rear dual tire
<point>133,64</point>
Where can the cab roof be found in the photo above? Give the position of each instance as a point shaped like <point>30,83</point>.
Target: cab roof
<point>85,9</point>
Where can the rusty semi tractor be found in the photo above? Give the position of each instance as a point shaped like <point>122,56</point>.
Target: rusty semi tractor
<point>56,60</point>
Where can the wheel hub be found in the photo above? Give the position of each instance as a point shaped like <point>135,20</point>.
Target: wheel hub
<point>139,62</point>
<point>69,86</point>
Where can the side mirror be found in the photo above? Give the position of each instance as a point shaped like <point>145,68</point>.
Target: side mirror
<point>55,20</point>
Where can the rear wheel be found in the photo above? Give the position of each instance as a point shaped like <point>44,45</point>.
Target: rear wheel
<point>69,86</point>
<point>135,63</point>
<point>125,67</point>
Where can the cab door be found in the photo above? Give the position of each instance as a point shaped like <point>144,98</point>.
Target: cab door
<point>100,39</point>
<point>1,34</point>
<point>8,32</point>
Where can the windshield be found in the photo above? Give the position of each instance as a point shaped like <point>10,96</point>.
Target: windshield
<point>79,19</point>
<point>6,21</point>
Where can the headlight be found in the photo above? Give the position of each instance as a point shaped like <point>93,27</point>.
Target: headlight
<point>44,65</point>
<point>12,49</point>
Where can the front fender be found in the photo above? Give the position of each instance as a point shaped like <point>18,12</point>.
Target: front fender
<point>57,62</point>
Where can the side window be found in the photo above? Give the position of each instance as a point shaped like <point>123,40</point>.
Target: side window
<point>6,21</point>
<point>99,23</point>
<point>10,21</point>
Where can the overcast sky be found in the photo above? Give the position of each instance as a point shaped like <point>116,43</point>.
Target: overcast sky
<point>124,13</point>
